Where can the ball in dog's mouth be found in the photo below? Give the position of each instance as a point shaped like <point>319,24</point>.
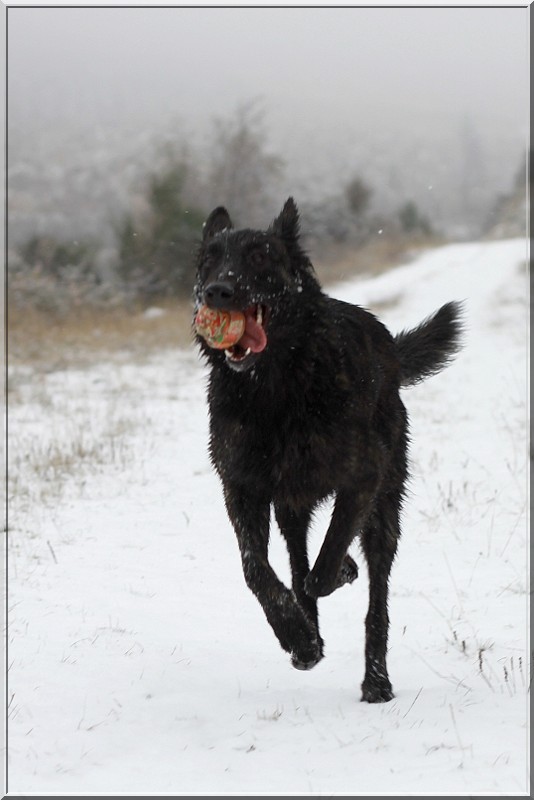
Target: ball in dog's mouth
<point>238,333</point>
<point>220,329</point>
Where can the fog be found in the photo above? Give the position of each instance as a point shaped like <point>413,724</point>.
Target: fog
<point>328,67</point>
<point>344,90</point>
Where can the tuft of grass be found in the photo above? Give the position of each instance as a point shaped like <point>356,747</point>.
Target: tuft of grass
<point>274,716</point>
<point>59,439</point>
<point>41,466</point>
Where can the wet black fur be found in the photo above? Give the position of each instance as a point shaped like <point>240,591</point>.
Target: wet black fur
<point>316,414</point>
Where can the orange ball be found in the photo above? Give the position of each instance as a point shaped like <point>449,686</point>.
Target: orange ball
<point>220,329</point>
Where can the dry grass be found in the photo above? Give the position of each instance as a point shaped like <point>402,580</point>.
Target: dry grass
<point>341,262</point>
<point>41,466</point>
<point>63,429</point>
<point>49,342</point>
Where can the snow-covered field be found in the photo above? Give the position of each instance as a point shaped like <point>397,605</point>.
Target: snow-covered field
<point>139,662</point>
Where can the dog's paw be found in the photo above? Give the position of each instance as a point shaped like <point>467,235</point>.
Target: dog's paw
<point>304,665</point>
<point>377,691</point>
<point>348,572</point>
<point>307,657</point>
<point>315,586</point>
<point>318,586</point>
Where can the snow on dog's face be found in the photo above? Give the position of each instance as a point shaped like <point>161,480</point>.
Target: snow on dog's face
<point>244,275</point>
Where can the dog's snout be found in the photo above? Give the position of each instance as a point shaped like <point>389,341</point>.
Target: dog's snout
<point>218,294</point>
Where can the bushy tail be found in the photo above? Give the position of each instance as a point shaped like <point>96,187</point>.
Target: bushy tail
<point>429,348</point>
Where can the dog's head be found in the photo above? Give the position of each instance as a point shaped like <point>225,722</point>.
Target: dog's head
<point>261,274</point>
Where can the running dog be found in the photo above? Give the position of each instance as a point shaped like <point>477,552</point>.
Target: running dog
<point>304,405</point>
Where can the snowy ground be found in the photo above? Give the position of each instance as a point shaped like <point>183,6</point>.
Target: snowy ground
<point>139,662</point>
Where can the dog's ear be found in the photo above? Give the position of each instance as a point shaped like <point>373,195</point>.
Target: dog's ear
<point>217,222</point>
<point>286,225</point>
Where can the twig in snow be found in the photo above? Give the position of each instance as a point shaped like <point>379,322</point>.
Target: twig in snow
<point>461,746</point>
<point>521,671</point>
<point>518,520</point>
<point>487,681</point>
<point>52,551</point>
<point>454,584</point>
<point>413,702</point>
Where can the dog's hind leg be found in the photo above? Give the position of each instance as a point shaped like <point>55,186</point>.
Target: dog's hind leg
<point>379,541</point>
<point>295,631</point>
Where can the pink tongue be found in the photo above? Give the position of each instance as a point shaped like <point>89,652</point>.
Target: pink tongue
<point>254,336</point>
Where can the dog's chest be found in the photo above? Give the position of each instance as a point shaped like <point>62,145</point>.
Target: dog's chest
<point>306,464</point>
<point>282,452</point>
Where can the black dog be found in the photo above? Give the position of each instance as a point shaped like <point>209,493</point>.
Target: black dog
<point>304,407</point>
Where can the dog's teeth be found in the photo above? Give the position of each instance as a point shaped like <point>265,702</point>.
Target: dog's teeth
<point>259,315</point>
<point>231,357</point>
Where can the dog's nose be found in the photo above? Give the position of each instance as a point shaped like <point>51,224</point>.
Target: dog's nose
<point>218,294</point>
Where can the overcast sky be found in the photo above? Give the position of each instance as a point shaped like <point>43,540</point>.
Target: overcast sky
<point>313,67</point>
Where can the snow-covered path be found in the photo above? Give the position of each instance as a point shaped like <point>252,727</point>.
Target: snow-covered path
<point>139,662</point>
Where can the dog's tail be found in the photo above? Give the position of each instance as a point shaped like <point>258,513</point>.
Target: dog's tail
<point>429,348</point>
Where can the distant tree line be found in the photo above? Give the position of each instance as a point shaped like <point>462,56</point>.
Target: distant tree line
<point>155,240</point>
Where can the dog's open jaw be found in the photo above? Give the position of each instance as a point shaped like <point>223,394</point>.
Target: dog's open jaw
<point>253,340</point>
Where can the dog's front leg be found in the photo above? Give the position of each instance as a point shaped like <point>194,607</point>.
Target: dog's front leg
<point>297,635</point>
<point>294,528</point>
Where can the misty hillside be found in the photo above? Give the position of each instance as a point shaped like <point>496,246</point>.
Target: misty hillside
<point>100,97</point>
<point>91,179</point>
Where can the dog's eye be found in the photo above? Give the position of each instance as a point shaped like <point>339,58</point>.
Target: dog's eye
<point>257,258</point>
<point>208,261</point>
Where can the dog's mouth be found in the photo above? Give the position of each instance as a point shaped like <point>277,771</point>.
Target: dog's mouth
<point>253,340</point>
